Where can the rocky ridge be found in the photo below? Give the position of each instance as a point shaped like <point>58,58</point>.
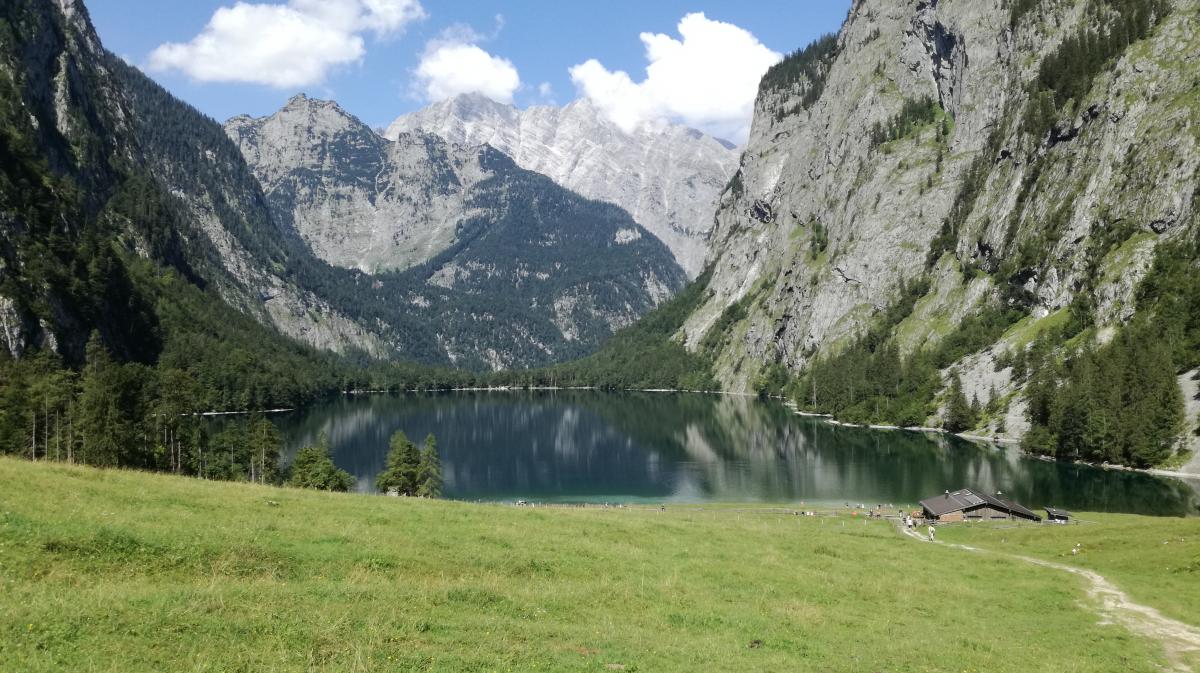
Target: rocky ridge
<point>459,237</point>
<point>129,194</point>
<point>667,176</point>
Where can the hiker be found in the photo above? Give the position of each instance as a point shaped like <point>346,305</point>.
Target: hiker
<point>931,531</point>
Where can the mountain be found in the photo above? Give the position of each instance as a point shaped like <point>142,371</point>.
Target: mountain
<point>130,215</point>
<point>502,266</point>
<point>990,201</point>
<point>142,279</point>
<point>666,175</point>
<point>110,182</point>
<point>358,200</point>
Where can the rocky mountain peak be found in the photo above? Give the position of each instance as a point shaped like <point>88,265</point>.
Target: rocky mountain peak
<point>470,237</point>
<point>324,116</point>
<point>667,176</point>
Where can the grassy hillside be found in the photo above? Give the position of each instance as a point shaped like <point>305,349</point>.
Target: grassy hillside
<point>118,571</point>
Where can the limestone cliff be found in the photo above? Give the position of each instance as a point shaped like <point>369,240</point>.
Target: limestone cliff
<point>915,145</point>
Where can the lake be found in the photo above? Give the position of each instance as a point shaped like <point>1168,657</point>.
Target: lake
<point>585,446</point>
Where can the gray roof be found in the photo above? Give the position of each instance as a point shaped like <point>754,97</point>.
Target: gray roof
<point>1014,507</point>
<point>966,499</point>
<point>951,502</point>
<point>1055,512</point>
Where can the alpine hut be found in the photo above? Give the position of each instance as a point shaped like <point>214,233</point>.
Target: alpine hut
<point>968,505</point>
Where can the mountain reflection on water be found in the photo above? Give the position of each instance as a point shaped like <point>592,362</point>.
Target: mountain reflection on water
<point>584,446</point>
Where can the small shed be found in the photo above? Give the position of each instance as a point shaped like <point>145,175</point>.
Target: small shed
<point>1055,515</point>
<point>968,505</point>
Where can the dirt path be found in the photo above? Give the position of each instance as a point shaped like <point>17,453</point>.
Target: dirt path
<point>1180,641</point>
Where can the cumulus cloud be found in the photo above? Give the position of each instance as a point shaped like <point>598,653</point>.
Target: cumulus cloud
<point>454,64</point>
<point>284,45</point>
<point>707,79</point>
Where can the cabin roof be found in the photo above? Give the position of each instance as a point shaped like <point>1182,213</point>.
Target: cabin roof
<point>951,502</point>
<point>966,499</point>
<point>1055,512</point>
<point>1015,507</point>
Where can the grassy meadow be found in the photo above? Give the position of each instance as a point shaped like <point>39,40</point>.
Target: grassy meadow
<point>119,571</point>
<point>1155,561</point>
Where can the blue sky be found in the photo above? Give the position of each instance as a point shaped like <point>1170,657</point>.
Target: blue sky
<point>382,58</point>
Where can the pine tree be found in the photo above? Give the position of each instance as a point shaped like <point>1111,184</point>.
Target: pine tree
<point>265,449</point>
<point>314,468</point>
<point>403,465</point>
<point>959,415</point>
<point>100,418</point>
<point>429,472</point>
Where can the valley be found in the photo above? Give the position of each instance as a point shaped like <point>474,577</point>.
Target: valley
<point>685,349</point>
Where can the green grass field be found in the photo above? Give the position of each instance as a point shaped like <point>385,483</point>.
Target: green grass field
<point>115,571</point>
<point>1155,561</point>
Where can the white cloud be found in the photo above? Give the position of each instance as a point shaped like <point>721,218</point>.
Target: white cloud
<point>708,79</point>
<point>545,89</point>
<point>454,65</point>
<point>284,45</point>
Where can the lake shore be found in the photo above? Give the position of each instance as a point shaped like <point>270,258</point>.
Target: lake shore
<point>998,441</point>
<point>283,576</point>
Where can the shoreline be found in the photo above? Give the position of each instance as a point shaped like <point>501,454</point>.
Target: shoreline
<point>999,442</point>
<point>209,414</point>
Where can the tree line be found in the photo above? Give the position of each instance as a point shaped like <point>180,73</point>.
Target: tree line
<point>807,68</point>
<point>130,415</point>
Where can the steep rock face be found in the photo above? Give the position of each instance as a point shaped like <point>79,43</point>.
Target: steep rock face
<point>827,218</point>
<point>484,263</point>
<point>667,176</point>
<point>224,203</point>
<point>358,200</point>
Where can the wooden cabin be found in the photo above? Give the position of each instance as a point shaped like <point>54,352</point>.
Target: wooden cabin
<point>1055,515</point>
<point>968,505</point>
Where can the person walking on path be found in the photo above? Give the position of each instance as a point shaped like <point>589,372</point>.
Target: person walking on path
<point>931,532</point>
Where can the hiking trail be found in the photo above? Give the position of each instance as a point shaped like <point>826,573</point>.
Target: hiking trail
<point>1177,638</point>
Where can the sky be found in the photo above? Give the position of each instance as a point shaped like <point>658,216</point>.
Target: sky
<point>696,62</point>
